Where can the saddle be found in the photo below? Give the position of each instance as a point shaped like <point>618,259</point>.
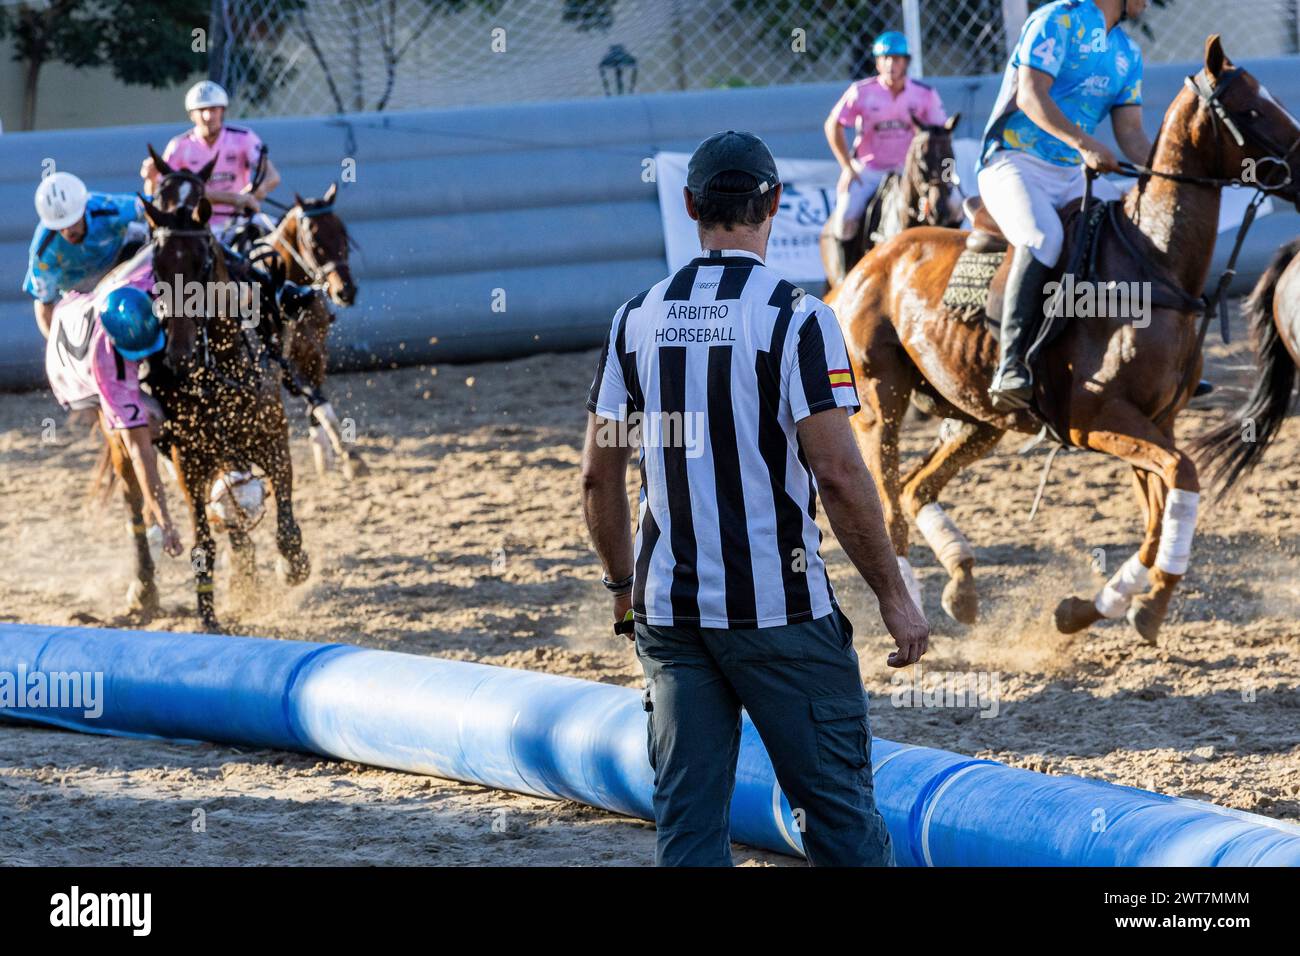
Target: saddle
<point>1105,247</point>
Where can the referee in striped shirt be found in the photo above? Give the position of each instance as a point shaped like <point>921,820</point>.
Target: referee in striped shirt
<point>741,387</point>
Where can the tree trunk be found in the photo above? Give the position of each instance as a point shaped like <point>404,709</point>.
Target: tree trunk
<point>31,76</point>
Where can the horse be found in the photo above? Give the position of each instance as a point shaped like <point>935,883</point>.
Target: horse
<point>222,397</point>
<point>922,195</point>
<point>1110,385</point>
<point>310,246</point>
<point>1232,450</point>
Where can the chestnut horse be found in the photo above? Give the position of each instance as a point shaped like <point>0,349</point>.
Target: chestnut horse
<point>310,244</point>
<point>1232,450</point>
<point>922,195</point>
<point>1115,385</point>
<point>223,402</point>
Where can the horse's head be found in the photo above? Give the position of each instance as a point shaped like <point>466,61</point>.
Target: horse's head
<point>323,243</point>
<point>180,188</point>
<point>1243,131</point>
<point>183,252</point>
<point>930,169</point>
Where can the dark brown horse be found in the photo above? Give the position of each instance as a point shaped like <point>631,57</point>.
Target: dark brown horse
<point>922,195</point>
<point>310,244</point>
<point>1112,385</point>
<point>1229,452</point>
<point>222,399</point>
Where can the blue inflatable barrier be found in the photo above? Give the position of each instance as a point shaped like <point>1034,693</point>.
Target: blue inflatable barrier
<point>560,737</point>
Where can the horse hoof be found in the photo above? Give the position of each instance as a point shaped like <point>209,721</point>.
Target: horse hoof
<point>1146,619</point>
<point>960,599</point>
<point>354,468</point>
<point>294,571</point>
<point>1074,614</point>
<point>142,598</point>
<point>210,626</point>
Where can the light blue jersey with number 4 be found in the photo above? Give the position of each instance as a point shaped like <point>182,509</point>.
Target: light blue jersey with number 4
<point>1095,71</point>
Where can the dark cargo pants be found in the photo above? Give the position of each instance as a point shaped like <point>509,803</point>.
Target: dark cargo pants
<point>801,687</point>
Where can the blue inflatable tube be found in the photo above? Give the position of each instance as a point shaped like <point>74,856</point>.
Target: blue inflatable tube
<point>560,737</point>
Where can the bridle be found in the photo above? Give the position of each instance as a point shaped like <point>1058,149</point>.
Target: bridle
<point>302,251</point>
<point>923,180</point>
<point>1239,128</point>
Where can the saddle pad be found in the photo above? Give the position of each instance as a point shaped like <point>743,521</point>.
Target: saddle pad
<point>967,294</point>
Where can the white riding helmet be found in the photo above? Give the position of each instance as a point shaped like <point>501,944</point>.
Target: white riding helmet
<point>203,94</point>
<point>60,200</point>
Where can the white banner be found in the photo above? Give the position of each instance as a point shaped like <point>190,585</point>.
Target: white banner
<point>806,203</point>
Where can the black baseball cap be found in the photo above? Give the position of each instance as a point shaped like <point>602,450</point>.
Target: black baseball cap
<point>728,152</point>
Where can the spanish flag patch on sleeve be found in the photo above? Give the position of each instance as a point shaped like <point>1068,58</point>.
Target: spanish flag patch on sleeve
<point>841,378</point>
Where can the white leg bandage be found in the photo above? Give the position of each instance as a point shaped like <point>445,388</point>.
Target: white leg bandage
<point>909,579</point>
<point>330,422</point>
<point>943,536</point>
<point>1176,531</point>
<point>1131,579</point>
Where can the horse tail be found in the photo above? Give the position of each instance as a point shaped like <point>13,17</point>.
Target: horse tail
<point>1232,450</point>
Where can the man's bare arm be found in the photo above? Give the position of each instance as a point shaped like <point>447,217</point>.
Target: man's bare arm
<point>849,496</point>
<point>145,462</point>
<point>1033,98</point>
<point>835,137</point>
<point>1126,121</point>
<point>44,316</point>
<point>604,503</point>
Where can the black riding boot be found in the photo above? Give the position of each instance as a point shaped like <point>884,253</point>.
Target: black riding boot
<point>1022,310</point>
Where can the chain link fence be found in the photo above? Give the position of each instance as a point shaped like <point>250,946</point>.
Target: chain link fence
<point>302,57</point>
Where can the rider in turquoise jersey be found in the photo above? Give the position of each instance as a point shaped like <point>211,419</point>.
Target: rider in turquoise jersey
<point>80,237</point>
<point>1071,68</point>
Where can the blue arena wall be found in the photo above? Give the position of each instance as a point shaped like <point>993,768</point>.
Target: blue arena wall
<point>544,201</point>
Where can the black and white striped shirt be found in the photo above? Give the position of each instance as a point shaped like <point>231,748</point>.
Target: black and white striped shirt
<point>717,363</point>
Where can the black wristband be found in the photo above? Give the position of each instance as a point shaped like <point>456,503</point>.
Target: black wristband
<point>618,588</point>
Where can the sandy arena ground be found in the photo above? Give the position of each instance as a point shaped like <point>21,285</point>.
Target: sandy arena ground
<point>467,541</point>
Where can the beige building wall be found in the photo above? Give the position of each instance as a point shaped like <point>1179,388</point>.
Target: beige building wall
<point>70,97</point>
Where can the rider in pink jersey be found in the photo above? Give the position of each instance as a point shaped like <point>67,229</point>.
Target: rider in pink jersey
<point>239,153</point>
<point>92,358</point>
<point>881,110</point>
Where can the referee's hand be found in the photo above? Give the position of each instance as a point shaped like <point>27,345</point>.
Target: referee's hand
<point>908,627</point>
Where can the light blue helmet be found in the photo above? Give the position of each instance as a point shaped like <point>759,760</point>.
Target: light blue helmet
<point>890,43</point>
<point>129,320</point>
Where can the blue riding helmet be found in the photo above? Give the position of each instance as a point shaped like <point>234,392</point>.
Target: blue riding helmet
<point>890,43</point>
<point>129,320</point>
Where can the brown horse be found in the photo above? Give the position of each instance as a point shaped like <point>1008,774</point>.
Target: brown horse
<point>310,244</point>
<point>222,399</point>
<point>1112,385</point>
<point>1229,452</point>
<point>922,195</point>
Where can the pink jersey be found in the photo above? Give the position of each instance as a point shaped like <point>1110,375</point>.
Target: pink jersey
<point>884,121</point>
<point>83,367</point>
<point>238,150</point>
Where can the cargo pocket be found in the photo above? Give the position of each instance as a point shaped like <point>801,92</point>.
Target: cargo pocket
<point>843,739</point>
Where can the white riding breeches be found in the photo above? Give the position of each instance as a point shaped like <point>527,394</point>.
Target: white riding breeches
<point>1022,193</point>
<point>851,204</point>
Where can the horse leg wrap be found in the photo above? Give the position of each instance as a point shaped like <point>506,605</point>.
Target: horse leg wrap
<point>324,413</point>
<point>1131,579</point>
<point>1177,528</point>
<point>909,580</point>
<point>944,537</point>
